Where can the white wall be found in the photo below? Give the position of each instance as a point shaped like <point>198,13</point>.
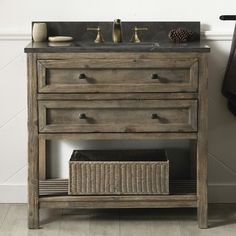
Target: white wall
<point>15,21</point>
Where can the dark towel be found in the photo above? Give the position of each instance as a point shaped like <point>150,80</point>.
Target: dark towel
<point>229,84</point>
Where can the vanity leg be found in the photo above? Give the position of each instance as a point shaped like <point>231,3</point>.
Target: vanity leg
<point>33,145</point>
<point>202,205</point>
<point>33,183</point>
<point>202,145</point>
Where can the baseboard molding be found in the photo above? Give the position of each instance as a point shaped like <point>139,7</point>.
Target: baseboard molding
<point>205,35</point>
<point>218,193</point>
<point>14,36</point>
<point>13,193</point>
<point>222,193</point>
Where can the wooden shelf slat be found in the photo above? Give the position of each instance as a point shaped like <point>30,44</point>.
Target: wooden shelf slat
<point>123,198</point>
<point>60,186</point>
<point>169,201</point>
<point>53,186</point>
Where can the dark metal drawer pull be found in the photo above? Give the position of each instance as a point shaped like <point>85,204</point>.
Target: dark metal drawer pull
<point>155,116</point>
<point>160,119</point>
<point>82,76</point>
<point>155,76</point>
<point>82,116</point>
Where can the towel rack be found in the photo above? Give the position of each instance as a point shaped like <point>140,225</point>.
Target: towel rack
<point>228,17</point>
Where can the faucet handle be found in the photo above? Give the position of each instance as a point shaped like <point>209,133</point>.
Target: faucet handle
<point>135,37</point>
<point>140,28</point>
<point>99,38</point>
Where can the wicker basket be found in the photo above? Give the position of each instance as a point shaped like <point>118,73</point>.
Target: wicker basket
<point>120,172</point>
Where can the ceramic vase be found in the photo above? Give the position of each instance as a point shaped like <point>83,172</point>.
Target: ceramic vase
<point>39,32</point>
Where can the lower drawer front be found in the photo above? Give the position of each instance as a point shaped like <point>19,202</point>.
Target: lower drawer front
<point>118,116</point>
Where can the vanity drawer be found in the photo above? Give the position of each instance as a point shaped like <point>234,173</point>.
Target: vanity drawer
<point>118,116</point>
<point>116,75</point>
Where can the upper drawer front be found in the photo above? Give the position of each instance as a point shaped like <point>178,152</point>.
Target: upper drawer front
<point>116,75</point>
<point>118,116</point>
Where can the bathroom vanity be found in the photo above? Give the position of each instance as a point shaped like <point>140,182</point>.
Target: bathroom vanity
<point>154,90</point>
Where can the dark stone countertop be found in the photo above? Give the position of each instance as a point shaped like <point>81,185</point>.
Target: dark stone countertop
<point>155,39</point>
<point>46,47</point>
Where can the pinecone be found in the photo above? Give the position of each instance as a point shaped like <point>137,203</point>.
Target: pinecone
<point>180,35</point>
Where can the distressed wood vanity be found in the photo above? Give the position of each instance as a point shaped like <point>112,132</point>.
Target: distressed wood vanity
<point>91,92</point>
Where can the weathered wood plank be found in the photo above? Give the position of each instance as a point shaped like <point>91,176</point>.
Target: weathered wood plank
<point>157,201</point>
<point>118,63</point>
<point>119,104</point>
<point>33,158</point>
<point>152,198</point>
<point>118,96</point>
<point>117,55</point>
<point>114,204</point>
<point>202,144</point>
<point>110,88</point>
<point>119,136</point>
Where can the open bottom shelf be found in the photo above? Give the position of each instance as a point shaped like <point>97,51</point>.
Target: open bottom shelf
<point>53,194</point>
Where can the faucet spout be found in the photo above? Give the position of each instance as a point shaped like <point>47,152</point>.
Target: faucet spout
<point>117,31</point>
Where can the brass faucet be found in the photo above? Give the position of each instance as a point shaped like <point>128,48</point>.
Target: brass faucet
<point>117,31</point>
<point>99,38</point>
<point>135,37</point>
